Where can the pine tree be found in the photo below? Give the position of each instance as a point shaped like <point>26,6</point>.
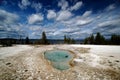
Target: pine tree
<point>65,39</point>
<point>72,41</point>
<point>103,41</point>
<point>68,40</point>
<point>91,39</point>
<point>115,39</point>
<point>99,39</point>
<point>86,41</point>
<point>44,38</point>
<point>27,40</point>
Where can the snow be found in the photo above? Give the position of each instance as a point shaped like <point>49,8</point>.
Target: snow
<point>9,51</point>
<point>78,60</point>
<point>90,63</point>
<point>95,60</point>
<point>30,62</point>
<point>105,50</point>
<point>97,53</point>
<point>92,59</point>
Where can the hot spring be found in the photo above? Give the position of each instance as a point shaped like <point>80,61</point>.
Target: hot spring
<point>60,59</point>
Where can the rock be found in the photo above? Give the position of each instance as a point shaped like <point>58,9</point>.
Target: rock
<point>8,63</point>
<point>111,56</point>
<point>26,70</point>
<point>117,61</point>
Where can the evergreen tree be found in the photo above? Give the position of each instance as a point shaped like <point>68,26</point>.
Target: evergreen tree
<point>115,39</point>
<point>27,40</point>
<point>86,41</point>
<point>68,40</point>
<point>6,42</point>
<point>91,39</point>
<point>99,39</point>
<point>103,41</point>
<point>72,41</point>
<point>65,39</point>
<point>44,38</point>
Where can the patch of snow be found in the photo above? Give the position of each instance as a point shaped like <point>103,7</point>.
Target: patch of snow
<point>99,55</point>
<point>95,60</point>
<point>104,50</point>
<point>29,61</point>
<point>78,60</point>
<point>9,51</point>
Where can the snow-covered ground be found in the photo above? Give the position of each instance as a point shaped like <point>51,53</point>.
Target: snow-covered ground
<point>91,62</point>
<point>101,56</point>
<point>9,51</point>
<point>105,50</point>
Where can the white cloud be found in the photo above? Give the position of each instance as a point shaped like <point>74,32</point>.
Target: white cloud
<point>51,14</point>
<point>76,6</point>
<point>78,21</point>
<point>35,18</point>
<point>36,6</point>
<point>34,28</point>
<point>115,30</point>
<point>35,35</point>
<point>110,7</point>
<point>64,15</point>
<point>7,18</point>
<point>63,4</point>
<point>87,13</point>
<point>57,33</point>
<point>83,22</point>
<point>24,4</point>
<point>111,22</point>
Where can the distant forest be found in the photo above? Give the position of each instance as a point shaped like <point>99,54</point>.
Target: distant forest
<point>98,39</point>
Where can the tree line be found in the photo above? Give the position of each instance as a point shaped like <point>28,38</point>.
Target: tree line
<point>9,41</point>
<point>68,40</point>
<point>97,39</point>
<point>100,40</point>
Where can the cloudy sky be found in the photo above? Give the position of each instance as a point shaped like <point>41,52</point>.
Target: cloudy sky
<point>75,18</point>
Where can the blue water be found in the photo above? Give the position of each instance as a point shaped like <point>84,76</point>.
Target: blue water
<point>59,58</point>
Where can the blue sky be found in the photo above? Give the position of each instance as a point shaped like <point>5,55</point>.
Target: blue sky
<point>75,18</point>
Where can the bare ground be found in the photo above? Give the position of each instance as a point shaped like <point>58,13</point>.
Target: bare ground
<point>30,64</point>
